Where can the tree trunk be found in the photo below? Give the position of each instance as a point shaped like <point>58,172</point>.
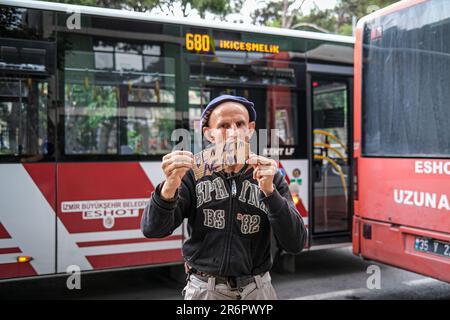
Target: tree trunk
<point>284,17</point>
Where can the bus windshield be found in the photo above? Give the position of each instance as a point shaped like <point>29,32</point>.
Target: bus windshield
<point>405,107</point>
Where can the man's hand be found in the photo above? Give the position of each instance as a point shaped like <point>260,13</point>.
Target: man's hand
<point>264,171</point>
<point>175,165</point>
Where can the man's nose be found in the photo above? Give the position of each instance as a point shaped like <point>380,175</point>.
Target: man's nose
<point>232,131</point>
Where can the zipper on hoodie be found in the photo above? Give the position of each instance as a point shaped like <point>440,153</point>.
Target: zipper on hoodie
<point>233,188</point>
<point>229,225</point>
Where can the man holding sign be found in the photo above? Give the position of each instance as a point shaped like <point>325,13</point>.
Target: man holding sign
<point>233,200</point>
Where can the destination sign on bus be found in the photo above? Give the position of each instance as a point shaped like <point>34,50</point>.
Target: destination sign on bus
<point>202,43</point>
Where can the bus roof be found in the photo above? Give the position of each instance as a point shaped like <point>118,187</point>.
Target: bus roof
<point>125,14</point>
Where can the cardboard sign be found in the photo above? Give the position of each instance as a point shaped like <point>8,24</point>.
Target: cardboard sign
<point>217,156</point>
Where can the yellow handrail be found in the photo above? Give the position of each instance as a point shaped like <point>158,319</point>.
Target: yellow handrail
<point>332,136</point>
<point>338,168</point>
<point>327,146</point>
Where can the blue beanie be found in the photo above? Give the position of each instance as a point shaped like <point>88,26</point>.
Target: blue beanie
<point>224,98</point>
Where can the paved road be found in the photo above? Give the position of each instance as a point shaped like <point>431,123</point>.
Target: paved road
<point>324,274</point>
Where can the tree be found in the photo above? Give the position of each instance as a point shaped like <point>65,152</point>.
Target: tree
<point>278,13</point>
<point>346,9</point>
<point>288,14</point>
<point>217,7</point>
<point>317,20</point>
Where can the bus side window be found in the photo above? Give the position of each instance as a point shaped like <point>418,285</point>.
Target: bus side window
<point>23,119</point>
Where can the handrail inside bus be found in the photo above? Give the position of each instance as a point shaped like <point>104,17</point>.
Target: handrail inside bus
<point>338,168</point>
<point>330,135</point>
<point>327,146</point>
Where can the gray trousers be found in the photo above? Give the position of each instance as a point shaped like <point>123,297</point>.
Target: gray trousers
<point>260,289</point>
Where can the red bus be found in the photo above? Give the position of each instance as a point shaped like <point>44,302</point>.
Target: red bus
<point>402,139</point>
<point>89,98</point>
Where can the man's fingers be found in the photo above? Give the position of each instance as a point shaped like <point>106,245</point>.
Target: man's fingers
<point>177,159</point>
<point>177,170</point>
<point>182,153</point>
<point>182,158</point>
<point>174,166</point>
<point>254,159</point>
<point>264,172</point>
<point>178,153</point>
<point>171,160</point>
<point>266,167</point>
<point>267,172</point>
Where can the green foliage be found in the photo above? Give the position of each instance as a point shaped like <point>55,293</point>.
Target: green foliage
<point>269,15</point>
<point>324,19</point>
<point>97,109</point>
<point>135,5</point>
<point>346,9</point>
<point>102,104</point>
<point>218,7</point>
<point>336,20</point>
<point>135,141</point>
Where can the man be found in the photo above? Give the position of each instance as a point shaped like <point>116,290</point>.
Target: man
<point>231,213</point>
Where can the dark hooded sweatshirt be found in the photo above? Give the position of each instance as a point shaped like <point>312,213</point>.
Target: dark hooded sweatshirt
<point>230,222</point>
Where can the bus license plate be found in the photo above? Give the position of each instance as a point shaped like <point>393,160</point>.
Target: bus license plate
<point>432,246</point>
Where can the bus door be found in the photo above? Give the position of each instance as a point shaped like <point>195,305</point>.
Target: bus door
<point>27,166</point>
<point>331,113</point>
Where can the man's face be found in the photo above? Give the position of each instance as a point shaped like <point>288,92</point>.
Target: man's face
<point>229,121</point>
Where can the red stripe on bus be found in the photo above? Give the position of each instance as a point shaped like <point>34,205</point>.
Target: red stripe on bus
<point>125,241</point>
<point>286,176</point>
<point>100,181</point>
<point>10,250</point>
<point>16,270</point>
<point>3,233</point>
<point>302,210</point>
<point>135,258</point>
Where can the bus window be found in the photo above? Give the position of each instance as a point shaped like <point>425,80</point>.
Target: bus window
<point>23,118</point>
<point>90,119</point>
<point>151,125</point>
<point>405,106</point>
<point>331,110</point>
<point>198,98</point>
<point>270,84</point>
<point>282,114</point>
<point>25,68</point>
<point>119,99</point>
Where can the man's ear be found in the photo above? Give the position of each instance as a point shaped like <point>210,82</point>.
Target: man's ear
<point>207,134</point>
<point>251,127</point>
